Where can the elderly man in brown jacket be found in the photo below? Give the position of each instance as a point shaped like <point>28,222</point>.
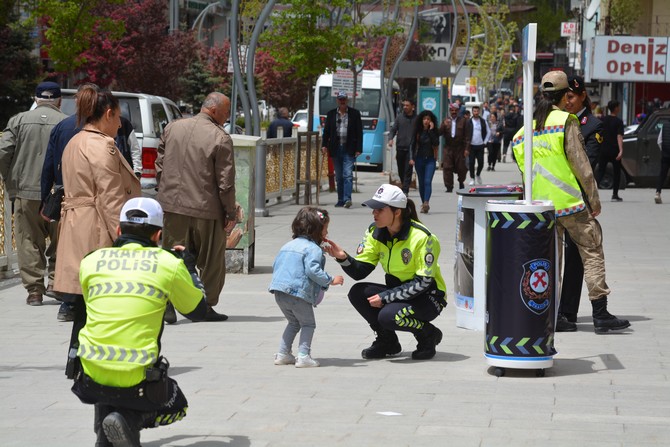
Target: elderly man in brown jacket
<point>195,171</point>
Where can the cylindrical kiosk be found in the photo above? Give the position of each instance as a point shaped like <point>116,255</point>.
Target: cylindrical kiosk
<point>521,285</point>
<point>470,251</point>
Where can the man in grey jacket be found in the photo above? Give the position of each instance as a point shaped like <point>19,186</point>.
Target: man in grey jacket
<point>23,146</point>
<point>403,130</point>
<point>195,172</point>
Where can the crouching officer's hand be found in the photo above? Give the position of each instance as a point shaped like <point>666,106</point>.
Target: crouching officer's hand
<point>186,256</point>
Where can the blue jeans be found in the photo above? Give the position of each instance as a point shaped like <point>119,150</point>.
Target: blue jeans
<point>300,316</point>
<point>425,169</point>
<point>344,168</point>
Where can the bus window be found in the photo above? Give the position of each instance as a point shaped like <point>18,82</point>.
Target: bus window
<point>367,103</point>
<point>326,100</point>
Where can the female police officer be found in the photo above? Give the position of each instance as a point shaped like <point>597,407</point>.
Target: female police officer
<point>414,293</point>
<point>578,103</point>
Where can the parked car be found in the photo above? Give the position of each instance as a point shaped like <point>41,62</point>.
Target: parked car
<point>630,129</point>
<point>149,115</point>
<point>641,160</point>
<point>300,120</point>
<point>238,129</point>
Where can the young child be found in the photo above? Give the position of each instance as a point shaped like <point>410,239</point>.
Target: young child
<point>298,283</point>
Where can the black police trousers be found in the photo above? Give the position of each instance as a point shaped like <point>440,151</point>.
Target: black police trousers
<point>140,403</point>
<point>407,316</point>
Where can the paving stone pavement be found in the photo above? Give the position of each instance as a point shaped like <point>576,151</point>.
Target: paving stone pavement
<point>603,390</point>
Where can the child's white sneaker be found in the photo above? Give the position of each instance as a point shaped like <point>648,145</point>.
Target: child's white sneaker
<point>284,359</point>
<point>306,361</point>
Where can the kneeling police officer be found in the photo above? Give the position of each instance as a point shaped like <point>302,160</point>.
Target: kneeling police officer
<point>117,366</point>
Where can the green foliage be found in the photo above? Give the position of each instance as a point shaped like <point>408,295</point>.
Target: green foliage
<point>197,82</point>
<point>492,60</point>
<point>302,38</point>
<point>361,37</point>
<point>623,15</point>
<point>19,69</point>
<point>548,18</point>
<point>70,25</point>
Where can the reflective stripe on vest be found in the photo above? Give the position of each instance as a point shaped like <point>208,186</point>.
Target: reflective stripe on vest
<point>118,287</point>
<point>553,178</point>
<point>116,354</point>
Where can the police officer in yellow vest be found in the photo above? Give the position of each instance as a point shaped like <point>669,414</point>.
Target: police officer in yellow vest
<point>562,173</point>
<point>126,288</point>
<point>414,294</point>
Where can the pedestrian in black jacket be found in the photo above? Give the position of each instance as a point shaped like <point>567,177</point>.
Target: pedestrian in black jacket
<point>343,142</point>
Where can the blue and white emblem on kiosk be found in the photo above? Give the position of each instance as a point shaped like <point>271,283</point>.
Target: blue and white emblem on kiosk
<point>535,287</point>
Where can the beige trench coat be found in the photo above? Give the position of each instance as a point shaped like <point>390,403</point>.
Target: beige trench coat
<point>97,182</point>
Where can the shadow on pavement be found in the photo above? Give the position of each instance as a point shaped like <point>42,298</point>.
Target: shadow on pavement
<point>176,370</point>
<point>202,441</point>
<point>254,318</point>
<point>406,358</point>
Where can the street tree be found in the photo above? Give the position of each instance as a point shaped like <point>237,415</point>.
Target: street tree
<point>19,69</point>
<point>622,16</point>
<point>145,57</point>
<point>304,42</point>
<point>492,55</point>
<point>70,25</point>
<point>360,34</point>
<point>548,15</point>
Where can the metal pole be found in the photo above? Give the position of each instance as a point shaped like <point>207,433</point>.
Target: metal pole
<point>410,33</point>
<point>387,89</point>
<point>234,54</point>
<point>259,181</point>
<point>467,40</point>
<point>528,69</point>
<point>251,54</point>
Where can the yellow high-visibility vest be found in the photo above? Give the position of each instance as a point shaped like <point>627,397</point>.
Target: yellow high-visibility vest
<point>552,176</point>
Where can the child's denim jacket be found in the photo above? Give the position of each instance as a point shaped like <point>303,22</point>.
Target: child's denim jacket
<point>298,270</point>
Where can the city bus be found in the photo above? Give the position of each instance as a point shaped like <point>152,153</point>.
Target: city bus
<point>368,103</point>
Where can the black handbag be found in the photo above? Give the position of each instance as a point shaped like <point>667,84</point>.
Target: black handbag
<point>52,204</point>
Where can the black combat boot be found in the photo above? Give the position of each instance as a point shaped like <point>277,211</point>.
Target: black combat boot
<point>603,321</point>
<point>100,412</point>
<point>120,431</point>
<point>385,344</point>
<point>570,316</point>
<point>565,325</point>
<point>170,316</point>
<point>427,339</point>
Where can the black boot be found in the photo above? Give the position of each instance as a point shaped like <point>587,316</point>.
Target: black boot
<point>564,325</point>
<point>170,316</point>
<point>427,339</point>
<point>100,412</point>
<point>570,316</point>
<point>603,321</point>
<point>120,431</point>
<point>385,344</point>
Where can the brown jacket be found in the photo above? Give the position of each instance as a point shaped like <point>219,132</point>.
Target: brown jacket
<point>97,182</point>
<point>461,141</point>
<point>195,169</point>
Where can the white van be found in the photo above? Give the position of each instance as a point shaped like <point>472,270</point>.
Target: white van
<point>461,91</point>
<point>149,115</point>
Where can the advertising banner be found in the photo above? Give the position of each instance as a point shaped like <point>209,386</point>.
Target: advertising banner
<point>630,59</point>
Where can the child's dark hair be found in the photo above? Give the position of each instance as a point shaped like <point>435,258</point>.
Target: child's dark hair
<point>138,229</point>
<point>309,222</point>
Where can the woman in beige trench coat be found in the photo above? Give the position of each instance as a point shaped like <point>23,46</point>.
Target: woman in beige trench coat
<point>97,181</point>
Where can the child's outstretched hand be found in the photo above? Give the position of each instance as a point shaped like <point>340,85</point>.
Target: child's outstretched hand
<point>338,280</point>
